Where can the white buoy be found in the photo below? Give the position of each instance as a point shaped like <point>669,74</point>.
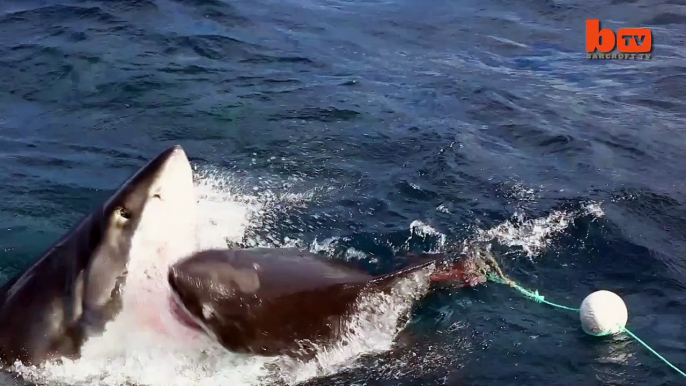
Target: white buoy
<point>603,313</point>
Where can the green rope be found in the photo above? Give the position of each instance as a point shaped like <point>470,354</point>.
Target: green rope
<point>538,298</point>
<point>631,334</point>
<point>535,296</point>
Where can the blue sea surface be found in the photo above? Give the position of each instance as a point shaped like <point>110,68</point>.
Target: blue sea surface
<point>479,119</point>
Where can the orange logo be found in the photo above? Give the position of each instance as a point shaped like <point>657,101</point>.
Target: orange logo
<point>630,43</point>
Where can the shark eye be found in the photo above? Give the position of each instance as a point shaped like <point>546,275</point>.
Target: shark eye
<point>123,212</point>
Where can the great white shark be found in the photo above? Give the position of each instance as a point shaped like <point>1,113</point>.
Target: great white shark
<point>135,255</point>
<point>115,258</point>
<point>285,301</point>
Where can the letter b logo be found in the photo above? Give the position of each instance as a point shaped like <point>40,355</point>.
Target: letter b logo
<point>627,40</point>
<point>602,40</point>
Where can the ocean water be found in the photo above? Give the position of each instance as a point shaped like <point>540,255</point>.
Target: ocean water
<point>361,130</point>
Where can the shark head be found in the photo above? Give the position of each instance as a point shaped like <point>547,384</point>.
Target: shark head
<point>115,258</point>
<point>212,293</point>
<point>146,225</point>
<point>163,187</point>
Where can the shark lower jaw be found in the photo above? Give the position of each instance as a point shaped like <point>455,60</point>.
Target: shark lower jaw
<point>181,314</point>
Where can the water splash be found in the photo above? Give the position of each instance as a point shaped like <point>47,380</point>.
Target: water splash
<point>371,330</point>
<point>535,235</point>
<point>424,231</point>
<point>227,211</point>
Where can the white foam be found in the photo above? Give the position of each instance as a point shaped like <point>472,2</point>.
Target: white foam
<point>327,246</point>
<point>535,235</point>
<point>230,209</point>
<point>443,209</point>
<point>423,230</point>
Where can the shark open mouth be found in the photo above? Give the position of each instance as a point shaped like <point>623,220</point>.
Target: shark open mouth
<point>180,313</point>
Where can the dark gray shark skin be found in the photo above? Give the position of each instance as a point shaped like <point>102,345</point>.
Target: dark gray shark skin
<point>282,301</point>
<point>74,289</point>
